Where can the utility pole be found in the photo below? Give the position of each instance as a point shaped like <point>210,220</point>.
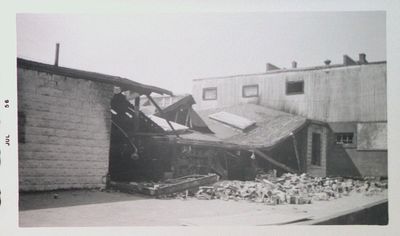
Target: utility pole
<point>57,54</point>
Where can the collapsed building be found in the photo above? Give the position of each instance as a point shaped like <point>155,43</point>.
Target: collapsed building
<point>64,125</point>
<point>275,139</point>
<point>346,104</point>
<point>78,129</point>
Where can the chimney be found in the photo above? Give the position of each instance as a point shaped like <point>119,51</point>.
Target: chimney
<point>348,61</point>
<point>327,62</point>
<point>294,64</point>
<point>362,58</point>
<point>271,67</point>
<point>57,54</point>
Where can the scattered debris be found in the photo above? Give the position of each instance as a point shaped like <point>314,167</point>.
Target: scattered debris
<point>266,188</point>
<point>289,189</point>
<point>169,187</point>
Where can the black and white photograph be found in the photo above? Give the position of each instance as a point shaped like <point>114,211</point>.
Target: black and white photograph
<point>202,118</point>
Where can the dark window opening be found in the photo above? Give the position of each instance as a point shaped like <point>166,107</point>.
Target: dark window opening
<point>344,138</point>
<point>294,87</point>
<point>210,93</point>
<point>250,91</point>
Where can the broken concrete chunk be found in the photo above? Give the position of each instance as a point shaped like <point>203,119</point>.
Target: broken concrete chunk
<point>288,189</point>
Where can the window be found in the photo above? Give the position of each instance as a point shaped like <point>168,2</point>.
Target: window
<point>250,91</point>
<point>344,138</point>
<point>294,87</point>
<point>210,93</point>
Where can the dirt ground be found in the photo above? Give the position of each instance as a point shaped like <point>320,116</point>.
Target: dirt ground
<point>66,198</point>
<point>96,208</point>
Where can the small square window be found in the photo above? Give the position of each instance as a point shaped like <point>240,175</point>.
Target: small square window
<point>210,93</point>
<point>294,87</point>
<point>344,138</point>
<point>250,91</point>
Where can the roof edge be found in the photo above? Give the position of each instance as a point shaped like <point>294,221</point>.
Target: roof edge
<point>88,75</point>
<point>290,70</point>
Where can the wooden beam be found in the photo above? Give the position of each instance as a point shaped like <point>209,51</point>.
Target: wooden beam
<point>176,116</point>
<point>161,112</point>
<point>126,136</point>
<point>212,144</point>
<point>187,119</point>
<point>136,121</point>
<point>296,152</point>
<point>274,162</point>
<point>181,184</point>
<point>232,155</point>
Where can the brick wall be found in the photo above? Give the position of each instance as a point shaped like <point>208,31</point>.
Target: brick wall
<point>64,133</point>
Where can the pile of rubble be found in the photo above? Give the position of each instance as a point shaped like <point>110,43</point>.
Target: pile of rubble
<point>289,189</point>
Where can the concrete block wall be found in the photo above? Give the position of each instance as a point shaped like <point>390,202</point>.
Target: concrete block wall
<point>65,129</point>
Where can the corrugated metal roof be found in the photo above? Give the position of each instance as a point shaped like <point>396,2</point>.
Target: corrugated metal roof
<point>271,127</point>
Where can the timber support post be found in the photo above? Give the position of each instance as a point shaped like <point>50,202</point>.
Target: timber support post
<point>296,151</point>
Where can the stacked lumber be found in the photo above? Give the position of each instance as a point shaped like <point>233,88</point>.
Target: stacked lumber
<point>289,189</point>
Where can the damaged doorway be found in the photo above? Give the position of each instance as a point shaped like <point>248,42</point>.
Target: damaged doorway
<point>316,151</point>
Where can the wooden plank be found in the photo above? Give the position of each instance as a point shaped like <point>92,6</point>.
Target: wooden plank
<point>187,184</point>
<point>274,162</point>
<point>161,112</point>
<point>296,151</point>
<point>215,144</point>
<point>165,126</point>
<point>181,184</point>
<point>232,120</point>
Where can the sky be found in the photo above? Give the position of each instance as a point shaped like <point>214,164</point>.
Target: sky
<point>170,50</point>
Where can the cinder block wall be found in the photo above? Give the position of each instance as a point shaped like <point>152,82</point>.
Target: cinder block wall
<point>64,131</point>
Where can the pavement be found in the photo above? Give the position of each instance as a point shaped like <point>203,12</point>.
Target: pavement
<point>78,208</point>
